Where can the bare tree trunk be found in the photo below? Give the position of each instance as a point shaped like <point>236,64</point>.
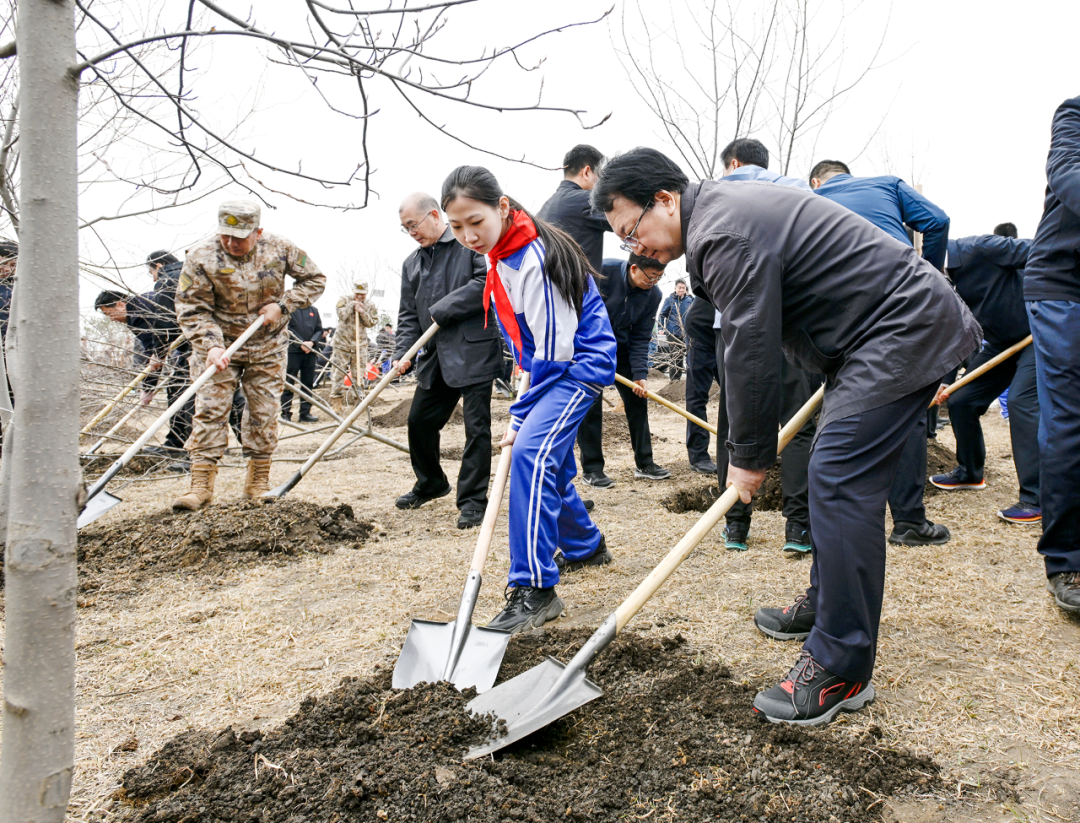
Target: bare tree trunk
<point>39,648</point>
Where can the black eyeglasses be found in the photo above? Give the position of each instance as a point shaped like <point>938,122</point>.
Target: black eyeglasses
<point>631,243</point>
<point>414,226</point>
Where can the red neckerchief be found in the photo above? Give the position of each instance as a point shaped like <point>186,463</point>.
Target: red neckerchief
<point>522,231</point>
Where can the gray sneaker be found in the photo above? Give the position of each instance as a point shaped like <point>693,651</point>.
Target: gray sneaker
<point>652,472</point>
<point>527,607</point>
<point>598,480</point>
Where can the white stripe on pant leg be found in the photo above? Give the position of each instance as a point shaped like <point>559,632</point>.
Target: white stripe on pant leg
<point>532,522</point>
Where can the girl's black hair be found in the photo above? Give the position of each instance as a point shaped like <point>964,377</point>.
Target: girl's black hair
<point>565,263</point>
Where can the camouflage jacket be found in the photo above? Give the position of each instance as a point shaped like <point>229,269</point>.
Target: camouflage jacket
<point>218,296</point>
<point>345,334</point>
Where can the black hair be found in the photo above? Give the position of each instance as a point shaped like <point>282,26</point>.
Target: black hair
<point>826,166</point>
<point>566,265</point>
<point>161,256</point>
<point>579,157</point>
<point>110,298</point>
<point>8,249</point>
<point>680,280</point>
<point>643,262</point>
<point>637,175</point>
<point>746,150</point>
<point>1005,230</point>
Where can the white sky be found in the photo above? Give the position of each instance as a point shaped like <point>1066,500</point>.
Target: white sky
<point>961,103</point>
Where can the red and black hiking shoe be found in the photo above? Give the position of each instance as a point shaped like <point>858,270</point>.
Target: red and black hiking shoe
<point>811,696</point>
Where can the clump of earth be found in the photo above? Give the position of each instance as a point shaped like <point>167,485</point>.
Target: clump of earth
<point>672,737</point>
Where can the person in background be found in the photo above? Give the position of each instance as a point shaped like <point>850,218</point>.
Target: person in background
<point>344,363</point>
<point>569,208</point>
<point>305,332</point>
<point>673,320</point>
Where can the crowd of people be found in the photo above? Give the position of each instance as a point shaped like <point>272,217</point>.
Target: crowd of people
<point>851,282</point>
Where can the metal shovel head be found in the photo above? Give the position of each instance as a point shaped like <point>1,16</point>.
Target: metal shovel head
<point>427,651</point>
<point>97,506</point>
<point>532,700</point>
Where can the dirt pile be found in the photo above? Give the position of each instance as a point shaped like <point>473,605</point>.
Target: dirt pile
<point>674,391</point>
<point>670,735</point>
<point>121,556</point>
<point>939,460</point>
<point>399,415</point>
<point>769,497</point>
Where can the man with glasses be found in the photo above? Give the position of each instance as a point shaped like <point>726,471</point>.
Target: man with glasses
<point>443,281</point>
<point>569,208</point>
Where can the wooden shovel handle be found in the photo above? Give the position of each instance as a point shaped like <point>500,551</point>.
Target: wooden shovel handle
<point>101,415</point>
<point>983,369</point>
<point>648,587</point>
<point>677,409</point>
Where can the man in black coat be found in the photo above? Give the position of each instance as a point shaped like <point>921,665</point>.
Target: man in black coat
<point>443,281</point>
<point>789,269</point>
<point>1052,292</point>
<point>631,297</point>
<point>569,208</point>
<point>305,336</point>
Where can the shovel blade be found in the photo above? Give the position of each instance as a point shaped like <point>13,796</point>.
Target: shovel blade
<point>429,646</point>
<point>97,506</point>
<point>531,701</point>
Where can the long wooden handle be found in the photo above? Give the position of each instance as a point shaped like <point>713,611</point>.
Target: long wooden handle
<point>979,372</point>
<point>101,415</point>
<point>498,489</point>
<point>677,409</point>
<point>649,586</point>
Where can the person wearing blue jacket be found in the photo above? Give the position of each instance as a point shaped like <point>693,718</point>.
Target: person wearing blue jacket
<point>631,298</point>
<point>552,315</point>
<point>1052,292</point>
<point>890,204</point>
<point>988,273</point>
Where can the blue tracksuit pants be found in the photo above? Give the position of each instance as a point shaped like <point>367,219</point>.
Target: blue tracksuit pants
<point>545,511</point>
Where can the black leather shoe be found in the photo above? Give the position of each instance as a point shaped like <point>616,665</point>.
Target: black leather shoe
<point>1066,590</point>
<point>588,504</point>
<point>919,534</point>
<point>470,518</point>
<point>414,500</point>
<point>308,418</point>
<point>704,467</point>
<point>601,557</point>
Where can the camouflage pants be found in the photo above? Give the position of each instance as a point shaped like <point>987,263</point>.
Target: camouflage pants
<point>342,361</point>
<point>263,378</point>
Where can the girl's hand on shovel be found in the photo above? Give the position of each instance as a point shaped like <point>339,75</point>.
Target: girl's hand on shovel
<point>747,481</point>
<point>508,438</point>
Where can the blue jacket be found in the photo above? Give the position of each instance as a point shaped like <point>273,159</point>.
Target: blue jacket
<point>889,203</point>
<point>752,172</point>
<point>1053,266</point>
<point>988,273</point>
<point>673,314</point>
<point>632,312</point>
<point>5,306</point>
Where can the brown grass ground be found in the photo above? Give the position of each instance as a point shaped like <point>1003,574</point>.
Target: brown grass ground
<point>976,666</point>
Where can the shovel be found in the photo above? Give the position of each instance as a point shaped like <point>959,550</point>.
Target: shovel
<point>285,487</point>
<point>464,654</point>
<point>667,403</point>
<point>546,692</point>
<point>100,501</point>
<point>943,395</point>
<point>101,415</point>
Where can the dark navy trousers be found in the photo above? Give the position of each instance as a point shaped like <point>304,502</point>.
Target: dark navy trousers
<point>1055,327</point>
<point>590,433</point>
<point>700,373</point>
<point>852,469</point>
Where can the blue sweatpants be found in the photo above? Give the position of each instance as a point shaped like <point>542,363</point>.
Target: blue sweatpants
<point>545,511</point>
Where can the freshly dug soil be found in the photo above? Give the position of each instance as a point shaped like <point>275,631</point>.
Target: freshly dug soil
<point>769,497</point>
<point>939,460</point>
<point>122,556</point>
<point>674,391</point>
<point>399,415</point>
<point>670,735</point>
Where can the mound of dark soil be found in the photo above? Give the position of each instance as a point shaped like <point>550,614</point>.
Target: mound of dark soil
<point>122,556</point>
<point>939,460</point>
<point>769,497</point>
<point>674,391</point>
<point>669,735</point>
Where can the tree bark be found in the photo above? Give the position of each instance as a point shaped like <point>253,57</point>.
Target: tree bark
<point>38,747</point>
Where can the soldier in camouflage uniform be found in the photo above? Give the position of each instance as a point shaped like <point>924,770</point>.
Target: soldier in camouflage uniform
<point>226,283</point>
<point>344,359</point>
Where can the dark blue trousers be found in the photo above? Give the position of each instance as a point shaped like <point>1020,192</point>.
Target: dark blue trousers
<point>1055,327</point>
<point>852,468</point>
<point>1017,374</point>
<point>701,372</point>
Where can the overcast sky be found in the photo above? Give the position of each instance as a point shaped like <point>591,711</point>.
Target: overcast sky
<point>960,101</point>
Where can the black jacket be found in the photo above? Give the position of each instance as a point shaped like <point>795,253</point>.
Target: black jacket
<point>632,313</point>
<point>570,210</point>
<point>446,283</point>
<point>1053,266</point>
<point>988,273</point>
<point>151,323</point>
<point>788,268</point>
<point>306,325</point>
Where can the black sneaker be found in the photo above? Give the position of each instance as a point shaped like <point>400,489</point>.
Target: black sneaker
<point>308,418</point>
<point>735,536</point>
<point>527,607</point>
<point>791,623</point>
<point>598,480</point>
<point>588,504</point>
<point>600,557</point>
<point>652,472</point>
<point>286,418</point>
<point>919,534</point>
<point>811,696</point>
<point>470,518</point>
<point>1066,590</point>
<point>414,500</point>
<point>796,538</point>
<point>704,467</point>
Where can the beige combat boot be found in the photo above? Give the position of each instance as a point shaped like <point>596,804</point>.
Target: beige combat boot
<point>202,487</point>
<point>257,482</point>
<point>335,404</point>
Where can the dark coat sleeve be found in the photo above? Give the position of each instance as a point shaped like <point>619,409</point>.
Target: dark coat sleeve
<point>464,301</point>
<point>640,334</point>
<point>408,321</point>
<point>1063,164</point>
<point>1006,252</point>
<point>924,216</point>
<point>317,333</point>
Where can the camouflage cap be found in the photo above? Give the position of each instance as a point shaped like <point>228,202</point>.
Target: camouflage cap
<point>360,287</point>
<point>238,218</point>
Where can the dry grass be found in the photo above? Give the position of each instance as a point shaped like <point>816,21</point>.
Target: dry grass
<point>976,666</point>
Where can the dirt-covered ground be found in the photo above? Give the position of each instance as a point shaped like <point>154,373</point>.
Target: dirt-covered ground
<point>250,617</point>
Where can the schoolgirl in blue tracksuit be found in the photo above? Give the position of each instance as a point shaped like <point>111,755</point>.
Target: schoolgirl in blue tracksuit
<point>553,317</point>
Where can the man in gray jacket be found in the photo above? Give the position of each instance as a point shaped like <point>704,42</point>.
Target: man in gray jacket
<point>443,281</point>
<point>788,269</point>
